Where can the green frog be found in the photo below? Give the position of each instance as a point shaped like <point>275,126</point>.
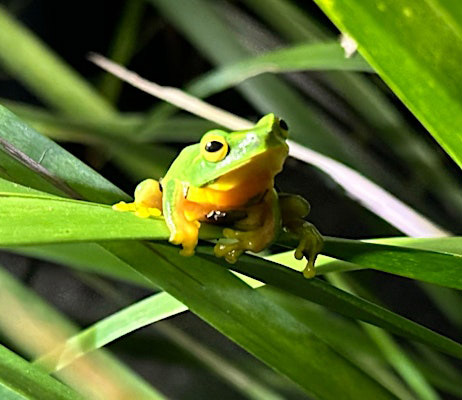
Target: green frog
<point>228,178</point>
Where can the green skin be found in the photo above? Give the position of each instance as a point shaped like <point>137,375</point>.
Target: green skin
<point>194,172</point>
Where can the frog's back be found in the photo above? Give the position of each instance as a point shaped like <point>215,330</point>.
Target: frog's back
<point>184,166</point>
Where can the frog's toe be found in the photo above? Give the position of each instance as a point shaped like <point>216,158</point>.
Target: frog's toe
<point>140,210</point>
<point>122,206</point>
<point>146,212</point>
<point>310,245</point>
<point>229,251</point>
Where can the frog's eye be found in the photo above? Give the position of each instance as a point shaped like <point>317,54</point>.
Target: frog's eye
<point>283,125</point>
<point>214,147</point>
<point>284,128</point>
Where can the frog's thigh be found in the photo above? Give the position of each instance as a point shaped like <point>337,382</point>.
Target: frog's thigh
<point>148,200</point>
<point>261,222</point>
<point>293,209</point>
<point>149,194</point>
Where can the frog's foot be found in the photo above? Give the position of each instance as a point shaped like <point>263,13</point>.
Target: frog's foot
<point>310,245</point>
<point>140,209</point>
<point>187,237</point>
<point>148,200</point>
<point>254,240</point>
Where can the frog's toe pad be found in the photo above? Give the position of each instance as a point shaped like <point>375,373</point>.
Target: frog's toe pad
<point>230,251</point>
<point>122,206</point>
<point>140,210</point>
<point>146,212</point>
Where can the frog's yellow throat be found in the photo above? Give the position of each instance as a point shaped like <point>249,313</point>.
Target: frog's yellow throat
<point>238,186</point>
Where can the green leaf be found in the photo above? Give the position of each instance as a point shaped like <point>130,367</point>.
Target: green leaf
<point>138,315</point>
<point>87,257</point>
<point>436,267</point>
<point>426,78</point>
<point>123,45</point>
<point>23,148</point>
<point>63,220</point>
<point>45,74</point>
<point>21,380</point>
<point>246,316</point>
<point>36,328</point>
<point>302,57</point>
<point>340,301</point>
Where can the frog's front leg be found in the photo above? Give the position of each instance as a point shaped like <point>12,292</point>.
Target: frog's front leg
<point>293,211</point>
<point>254,233</point>
<point>148,200</point>
<point>181,216</point>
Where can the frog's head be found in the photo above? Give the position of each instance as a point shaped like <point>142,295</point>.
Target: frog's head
<point>225,158</point>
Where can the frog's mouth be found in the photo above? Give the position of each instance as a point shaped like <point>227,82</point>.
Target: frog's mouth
<point>237,187</point>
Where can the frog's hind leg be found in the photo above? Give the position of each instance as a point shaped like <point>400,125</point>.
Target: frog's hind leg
<point>293,211</point>
<point>148,200</point>
<point>253,233</point>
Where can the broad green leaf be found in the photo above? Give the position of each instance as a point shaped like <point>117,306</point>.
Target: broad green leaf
<point>21,380</point>
<point>36,328</point>
<point>345,337</point>
<point>28,59</point>
<point>319,56</point>
<point>427,77</point>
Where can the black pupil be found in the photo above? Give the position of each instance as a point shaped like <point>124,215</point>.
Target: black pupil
<point>283,125</point>
<point>213,146</point>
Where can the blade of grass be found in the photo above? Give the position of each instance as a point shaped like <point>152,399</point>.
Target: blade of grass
<point>123,45</point>
<point>291,21</point>
<point>35,327</point>
<point>433,268</point>
<point>320,56</point>
<point>21,380</point>
<point>41,152</point>
<point>395,354</point>
<point>321,293</point>
<point>45,74</point>
<point>135,316</point>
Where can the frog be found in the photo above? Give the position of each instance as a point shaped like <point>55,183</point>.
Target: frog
<point>228,179</point>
